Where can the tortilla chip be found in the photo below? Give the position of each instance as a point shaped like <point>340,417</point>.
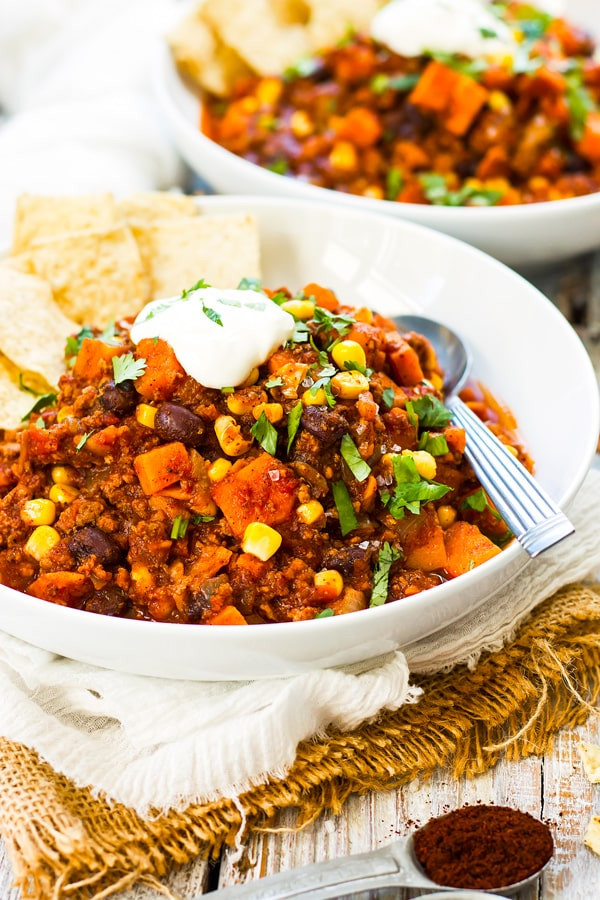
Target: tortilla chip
<point>96,275</point>
<point>33,330</point>
<point>148,207</point>
<point>14,402</point>
<point>330,22</point>
<point>39,217</point>
<point>201,56</point>
<point>21,263</point>
<point>592,835</point>
<point>255,31</point>
<point>590,757</point>
<point>220,249</point>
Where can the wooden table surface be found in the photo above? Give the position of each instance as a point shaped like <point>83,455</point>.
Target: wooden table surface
<point>552,787</point>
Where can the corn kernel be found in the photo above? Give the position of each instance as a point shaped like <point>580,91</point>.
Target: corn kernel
<point>363,314</point>
<point>219,469</point>
<point>38,512</point>
<point>348,385</point>
<point>538,183</point>
<point>273,411</point>
<point>329,583</point>
<point>145,414</point>
<point>446,516</point>
<point>41,541</point>
<point>63,475</point>
<point>63,493</point>
<point>343,156</point>
<point>310,512</point>
<point>437,381</point>
<point>512,450</point>
<point>261,540</point>
<point>301,124</point>
<point>374,191</point>
<point>300,309</point>
<point>230,437</point>
<point>268,91</point>
<point>316,398</point>
<point>64,413</point>
<point>248,104</point>
<point>498,101</point>
<point>252,378</point>
<point>424,462</point>
<point>242,404</point>
<point>348,352</point>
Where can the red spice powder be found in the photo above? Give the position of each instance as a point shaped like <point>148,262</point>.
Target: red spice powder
<point>483,847</point>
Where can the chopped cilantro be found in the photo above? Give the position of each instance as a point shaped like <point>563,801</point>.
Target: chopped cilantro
<point>302,68</point>
<point>328,321</point>
<point>127,368</point>
<point>437,192</point>
<point>301,332</point>
<point>324,381</point>
<point>227,390</point>
<point>274,382</point>
<point>394,181</point>
<point>39,423</point>
<point>435,444</point>
<point>278,166</point>
<point>108,335</point>
<point>325,614</point>
<point>227,302</point>
<point>386,558</point>
<point>41,403</point>
<point>580,103</point>
<point>279,297</point>
<point>23,387</point>
<point>488,32</point>
<point>411,490</point>
<point>431,412</point>
<point>359,468</point>
<point>83,440</point>
<point>265,434</point>
<point>533,22</point>
<point>197,519</point>
<point>346,514</point>
<point>382,82</point>
<point>74,342</point>
<point>250,284</point>
<point>473,68</point>
<point>479,502</point>
<point>293,423</point>
<point>388,397</point>
<point>180,527</point>
<point>351,366</point>
<point>201,283</point>
<point>212,314</point>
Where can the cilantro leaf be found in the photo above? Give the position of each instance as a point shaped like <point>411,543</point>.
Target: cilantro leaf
<point>411,490</point>
<point>302,68</point>
<point>180,527</point>
<point>250,284</point>
<point>325,614</point>
<point>346,514</point>
<point>479,502</point>
<point>212,314</point>
<point>435,444</point>
<point>487,32</point>
<point>197,519</point>
<point>580,103</point>
<point>293,423</point>
<point>83,440</point>
<point>324,381</point>
<point>274,382</point>
<point>301,332</point>
<point>431,412</point>
<point>127,368</point>
<point>394,182</point>
<point>108,335</point>
<point>278,166</point>
<point>328,321</point>
<point>74,342</point>
<point>386,558</point>
<point>388,397</point>
<point>41,403</point>
<point>474,68</point>
<point>437,192</point>
<point>265,434</point>
<point>359,468</point>
<point>201,283</point>
<point>351,366</point>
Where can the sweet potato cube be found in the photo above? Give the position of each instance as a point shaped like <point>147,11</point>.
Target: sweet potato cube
<point>62,588</point>
<point>162,372</point>
<point>229,615</point>
<point>263,491</point>
<point>94,360</point>
<point>162,466</point>
<point>423,541</point>
<point>466,547</point>
<point>404,362</point>
<point>589,145</point>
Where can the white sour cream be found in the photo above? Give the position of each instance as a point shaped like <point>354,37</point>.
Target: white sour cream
<point>216,355</point>
<point>411,27</point>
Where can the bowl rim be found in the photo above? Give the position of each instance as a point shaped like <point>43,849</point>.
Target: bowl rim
<point>164,68</point>
<point>513,553</point>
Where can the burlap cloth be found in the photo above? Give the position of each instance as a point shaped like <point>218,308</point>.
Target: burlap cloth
<point>65,841</point>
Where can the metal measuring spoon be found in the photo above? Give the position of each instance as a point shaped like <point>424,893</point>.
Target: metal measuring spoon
<point>393,866</point>
<point>534,519</point>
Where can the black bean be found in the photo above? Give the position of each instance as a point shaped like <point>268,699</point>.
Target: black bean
<point>348,560</point>
<point>110,601</point>
<point>92,541</point>
<point>325,424</point>
<point>198,600</point>
<point>119,398</point>
<point>178,423</point>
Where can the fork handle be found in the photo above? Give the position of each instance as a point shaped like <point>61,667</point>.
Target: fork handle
<point>534,519</point>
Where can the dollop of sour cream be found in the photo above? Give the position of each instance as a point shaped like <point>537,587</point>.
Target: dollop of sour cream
<point>217,335</point>
<point>411,27</point>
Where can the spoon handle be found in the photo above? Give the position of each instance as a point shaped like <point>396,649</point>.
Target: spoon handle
<point>388,867</point>
<point>534,519</point>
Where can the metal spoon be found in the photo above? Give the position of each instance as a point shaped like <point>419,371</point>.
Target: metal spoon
<point>534,519</point>
<point>389,867</point>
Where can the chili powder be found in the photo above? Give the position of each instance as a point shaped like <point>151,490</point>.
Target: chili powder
<point>483,847</point>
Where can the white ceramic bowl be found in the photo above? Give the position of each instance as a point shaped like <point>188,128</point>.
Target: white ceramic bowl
<point>518,235</point>
<point>524,350</point>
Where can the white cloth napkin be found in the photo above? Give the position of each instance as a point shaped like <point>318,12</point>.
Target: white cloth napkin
<point>153,743</point>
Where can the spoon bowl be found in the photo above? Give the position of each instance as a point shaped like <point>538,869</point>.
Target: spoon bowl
<point>534,519</point>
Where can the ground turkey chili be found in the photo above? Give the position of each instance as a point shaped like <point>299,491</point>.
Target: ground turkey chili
<point>331,481</point>
<point>483,847</point>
